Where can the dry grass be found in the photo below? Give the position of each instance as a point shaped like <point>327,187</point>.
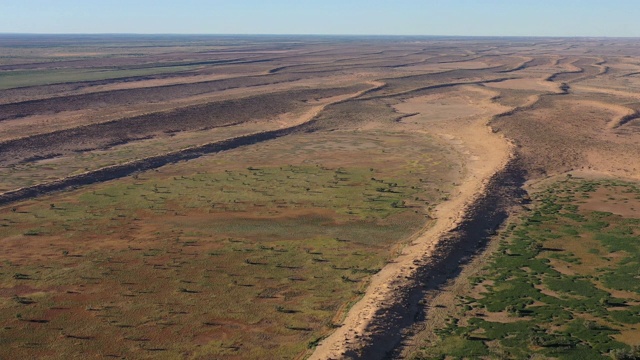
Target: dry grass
<point>247,254</point>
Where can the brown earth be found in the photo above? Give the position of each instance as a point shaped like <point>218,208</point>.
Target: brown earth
<point>510,111</point>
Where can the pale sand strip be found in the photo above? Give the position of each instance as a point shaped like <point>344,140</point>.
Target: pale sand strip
<point>487,153</point>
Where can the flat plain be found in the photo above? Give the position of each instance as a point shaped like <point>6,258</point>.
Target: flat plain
<point>238,197</point>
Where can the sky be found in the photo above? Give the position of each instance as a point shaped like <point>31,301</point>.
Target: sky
<point>591,18</point>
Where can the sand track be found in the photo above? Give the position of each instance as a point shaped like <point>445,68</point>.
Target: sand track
<point>377,315</point>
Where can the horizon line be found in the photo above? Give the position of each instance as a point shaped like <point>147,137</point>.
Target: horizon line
<point>322,35</point>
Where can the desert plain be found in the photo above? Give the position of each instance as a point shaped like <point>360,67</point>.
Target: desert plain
<point>293,197</point>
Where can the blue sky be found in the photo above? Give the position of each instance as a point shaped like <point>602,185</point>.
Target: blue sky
<point>391,17</point>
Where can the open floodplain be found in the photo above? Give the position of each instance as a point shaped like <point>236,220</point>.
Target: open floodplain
<point>236,197</point>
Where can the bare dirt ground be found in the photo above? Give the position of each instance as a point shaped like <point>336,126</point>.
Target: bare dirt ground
<point>528,109</point>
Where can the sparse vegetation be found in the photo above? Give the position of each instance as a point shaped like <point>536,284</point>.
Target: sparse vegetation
<point>336,153</point>
<point>562,283</point>
<point>220,245</point>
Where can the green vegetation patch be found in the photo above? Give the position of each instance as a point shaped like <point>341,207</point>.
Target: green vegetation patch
<point>256,261</point>
<point>563,284</point>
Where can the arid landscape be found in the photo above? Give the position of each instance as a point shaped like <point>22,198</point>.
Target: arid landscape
<point>319,197</point>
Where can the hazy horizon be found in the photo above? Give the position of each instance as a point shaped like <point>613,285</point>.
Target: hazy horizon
<point>459,18</point>
<point>115,34</point>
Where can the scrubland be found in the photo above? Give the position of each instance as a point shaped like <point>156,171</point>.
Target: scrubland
<point>318,197</point>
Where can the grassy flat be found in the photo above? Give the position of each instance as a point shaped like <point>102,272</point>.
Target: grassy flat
<point>218,255</point>
<point>562,284</point>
